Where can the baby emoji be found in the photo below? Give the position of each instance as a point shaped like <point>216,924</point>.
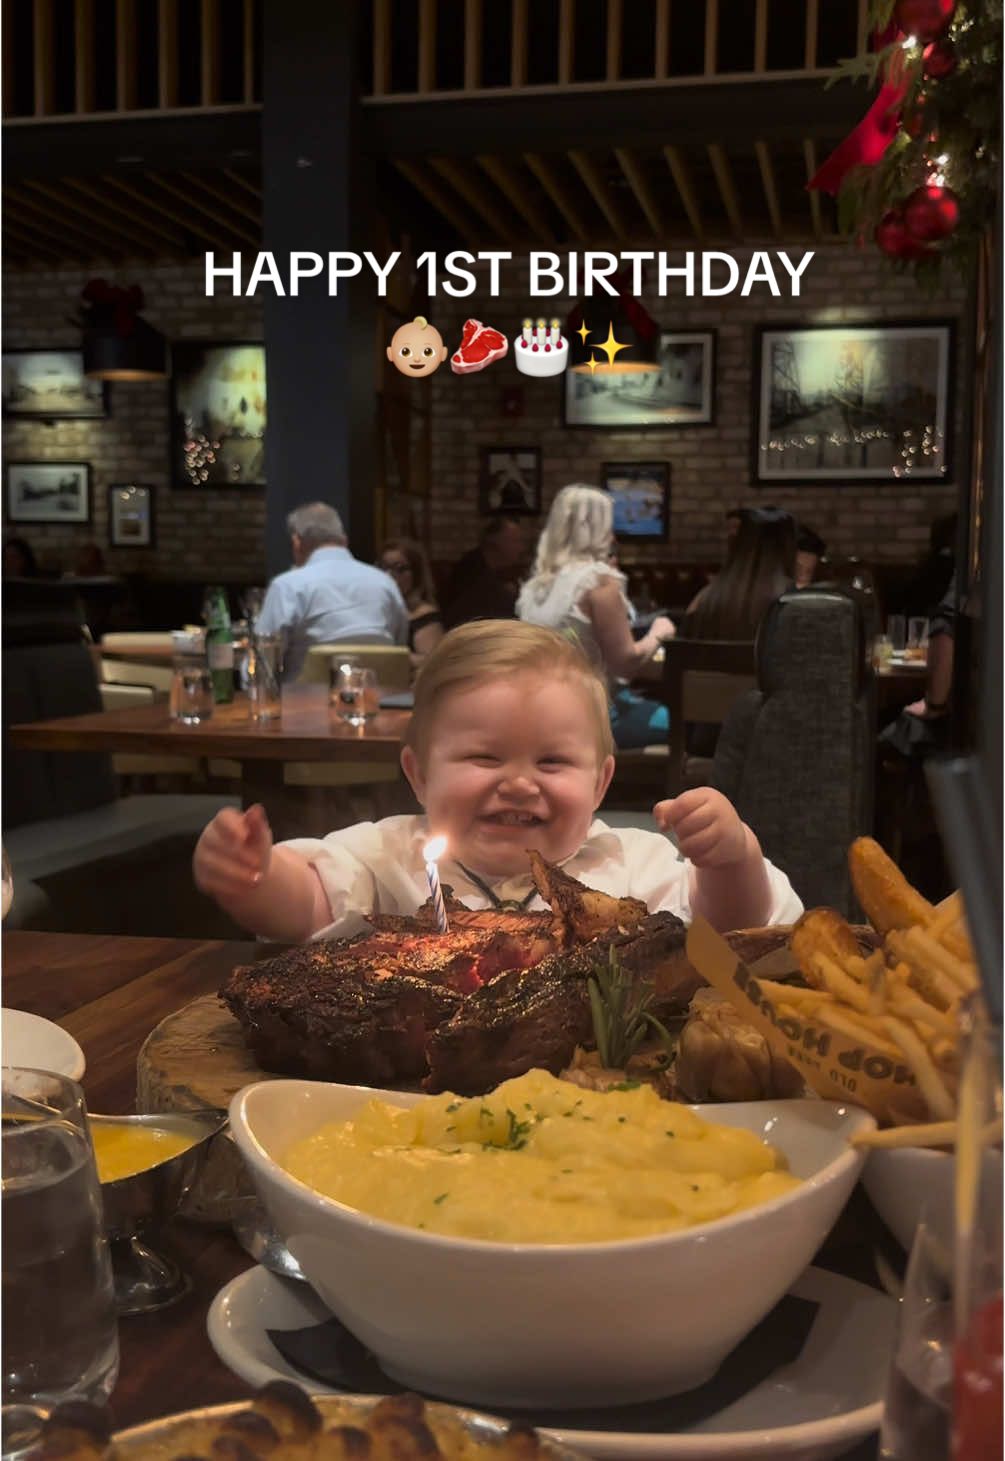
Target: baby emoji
<point>417,348</point>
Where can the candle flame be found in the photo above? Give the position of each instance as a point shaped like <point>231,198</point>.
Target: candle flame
<point>434,849</point>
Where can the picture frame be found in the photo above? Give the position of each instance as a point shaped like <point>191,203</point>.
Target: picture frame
<point>47,492</point>
<point>218,414</point>
<point>131,515</point>
<point>854,403</point>
<point>510,481</point>
<point>681,392</point>
<point>50,385</point>
<point>641,493</point>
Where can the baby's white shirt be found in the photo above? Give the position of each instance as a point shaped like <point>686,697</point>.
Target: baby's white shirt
<point>378,867</point>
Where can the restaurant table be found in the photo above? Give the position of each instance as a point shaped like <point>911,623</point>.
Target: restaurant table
<point>307,730</point>
<point>109,992</point>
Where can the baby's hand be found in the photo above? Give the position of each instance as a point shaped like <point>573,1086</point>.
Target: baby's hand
<point>232,856</point>
<point>709,832</point>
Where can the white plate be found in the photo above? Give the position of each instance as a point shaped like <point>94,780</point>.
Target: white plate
<point>30,1041</point>
<point>820,1406</point>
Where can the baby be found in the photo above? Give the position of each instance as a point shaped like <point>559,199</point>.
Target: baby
<point>509,748</point>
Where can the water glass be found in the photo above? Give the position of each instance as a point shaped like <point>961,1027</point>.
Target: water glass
<point>919,1393</point>
<point>917,636</point>
<point>263,670</point>
<point>896,631</point>
<point>191,694</point>
<point>354,693</point>
<point>882,652</point>
<point>60,1335</point>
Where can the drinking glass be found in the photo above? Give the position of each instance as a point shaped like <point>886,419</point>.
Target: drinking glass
<point>262,677</point>
<point>919,1390</point>
<point>882,651</point>
<point>6,886</point>
<point>896,631</point>
<point>60,1337</point>
<point>917,636</point>
<point>191,694</point>
<point>977,1293</point>
<point>354,694</point>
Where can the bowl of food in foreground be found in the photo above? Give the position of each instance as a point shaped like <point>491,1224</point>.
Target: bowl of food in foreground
<point>286,1424</point>
<point>662,1233</point>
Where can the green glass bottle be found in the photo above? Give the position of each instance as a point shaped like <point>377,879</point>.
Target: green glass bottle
<point>220,646</point>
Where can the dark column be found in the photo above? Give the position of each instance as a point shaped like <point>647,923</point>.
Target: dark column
<point>320,443</point>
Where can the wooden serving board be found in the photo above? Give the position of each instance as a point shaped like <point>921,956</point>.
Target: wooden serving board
<point>193,1059</point>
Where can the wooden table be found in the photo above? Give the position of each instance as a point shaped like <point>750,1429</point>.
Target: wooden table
<point>308,730</point>
<point>109,992</point>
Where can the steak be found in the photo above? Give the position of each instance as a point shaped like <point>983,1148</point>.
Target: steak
<point>480,345</point>
<point>534,1018</point>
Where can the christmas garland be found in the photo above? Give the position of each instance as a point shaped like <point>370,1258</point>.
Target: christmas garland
<point>920,174</point>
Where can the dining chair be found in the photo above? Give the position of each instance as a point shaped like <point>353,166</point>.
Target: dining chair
<point>391,662</point>
<point>702,680</point>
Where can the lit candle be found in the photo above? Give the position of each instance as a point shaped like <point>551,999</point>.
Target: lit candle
<point>432,852</point>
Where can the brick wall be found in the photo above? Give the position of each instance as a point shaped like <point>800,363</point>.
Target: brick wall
<point>199,534</point>
<point>219,534</point>
<point>709,465</point>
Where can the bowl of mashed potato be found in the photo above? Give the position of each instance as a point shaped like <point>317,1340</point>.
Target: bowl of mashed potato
<point>545,1245</point>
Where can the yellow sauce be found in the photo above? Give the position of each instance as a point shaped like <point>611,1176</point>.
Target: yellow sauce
<point>122,1151</point>
<point>540,1160</point>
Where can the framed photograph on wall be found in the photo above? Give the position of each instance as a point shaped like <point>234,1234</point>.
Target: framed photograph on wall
<point>510,481</point>
<point>48,492</point>
<point>641,493</point>
<point>218,414</point>
<point>46,385</point>
<point>130,515</point>
<point>679,390</point>
<point>854,403</point>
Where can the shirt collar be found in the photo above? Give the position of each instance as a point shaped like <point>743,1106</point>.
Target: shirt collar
<point>328,550</point>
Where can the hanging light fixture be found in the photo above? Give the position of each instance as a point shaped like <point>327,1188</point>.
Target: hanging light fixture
<point>118,343</point>
<point>611,335</point>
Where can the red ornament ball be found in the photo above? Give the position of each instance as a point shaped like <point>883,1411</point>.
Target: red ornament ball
<point>939,59</point>
<point>925,19</point>
<point>894,240</point>
<point>931,213</point>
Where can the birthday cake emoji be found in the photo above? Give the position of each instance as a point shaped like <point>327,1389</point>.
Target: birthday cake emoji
<point>541,349</point>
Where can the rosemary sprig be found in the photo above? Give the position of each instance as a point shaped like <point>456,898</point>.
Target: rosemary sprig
<point>622,1018</point>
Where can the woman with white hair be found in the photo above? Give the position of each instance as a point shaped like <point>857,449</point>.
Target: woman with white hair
<point>575,587</point>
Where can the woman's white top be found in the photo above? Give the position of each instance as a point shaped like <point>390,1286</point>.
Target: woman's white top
<point>378,867</point>
<point>557,602</point>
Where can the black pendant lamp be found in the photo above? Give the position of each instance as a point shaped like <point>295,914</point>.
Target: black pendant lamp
<point>613,335</point>
<point>118,343</point>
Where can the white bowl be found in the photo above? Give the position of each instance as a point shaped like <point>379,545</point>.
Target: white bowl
<point>902,1181</point>
<point>550,1324</point>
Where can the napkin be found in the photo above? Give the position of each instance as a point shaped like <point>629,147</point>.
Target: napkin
<point>330,1353</point>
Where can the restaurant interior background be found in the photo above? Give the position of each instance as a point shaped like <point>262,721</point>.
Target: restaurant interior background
<point>139,136</point>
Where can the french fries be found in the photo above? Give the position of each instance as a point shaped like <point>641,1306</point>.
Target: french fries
<point>901,1001</point>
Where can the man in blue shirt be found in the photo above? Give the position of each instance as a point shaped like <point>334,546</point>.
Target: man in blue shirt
<point>329,596</point>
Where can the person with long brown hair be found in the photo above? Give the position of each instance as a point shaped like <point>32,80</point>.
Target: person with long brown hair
<point>759,569</point>
<point>405,561</point>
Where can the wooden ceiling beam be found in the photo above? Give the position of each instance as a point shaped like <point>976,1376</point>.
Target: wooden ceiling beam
<point>209,33</point>
<point>727,188</point>
<point>55,217</point>
<point>816,212</point>
<point>661,39</point>
<point>711,37</point>
<point>639,183</point>
<point>252,240</point>
<point>566,41</point>
<point>427,45</point>
<point>464,182</point>
<point>812,34</point>
<point>249,52</point>
<point>770,186</point>
<point>43,71</point>
<point>83,55</point>
<point>381,80</point>
<point>436,197</point>
<point>167,53</point>
<point>685,189</point>
<point>126,69</point>
<point>761,36</point>
<point>134,223</point>
<point>472,45</point>
<point>513,190</point>
<point>103,224</point>
<point>614,24</point>
<point>598,189</point>
<point>243,182</point>
<point>202,181</point>
<point>559,194</point>
<point>29,240</point>
<point>518,44</point>
<point>193,227</point>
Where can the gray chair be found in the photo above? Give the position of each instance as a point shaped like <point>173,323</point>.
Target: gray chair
<point>795,756</point>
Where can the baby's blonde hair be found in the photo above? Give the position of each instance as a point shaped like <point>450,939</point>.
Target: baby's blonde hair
<point>497,649</point>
